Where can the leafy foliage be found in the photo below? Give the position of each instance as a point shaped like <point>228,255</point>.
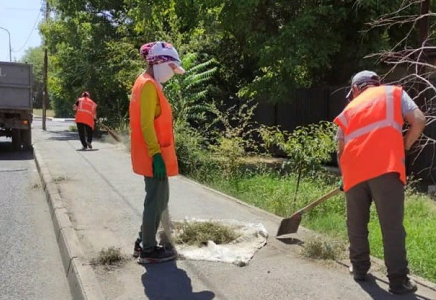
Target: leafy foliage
<point>264,48</point>
<point>232,135</point>
<point>188,93</point>
<point>35,56</point>
<point>306,147</point>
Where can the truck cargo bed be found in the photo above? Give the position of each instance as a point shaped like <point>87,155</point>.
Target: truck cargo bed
<point>15,86</point>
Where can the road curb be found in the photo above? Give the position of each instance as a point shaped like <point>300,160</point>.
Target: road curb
<point>376,261</point>
<point>81,277</point>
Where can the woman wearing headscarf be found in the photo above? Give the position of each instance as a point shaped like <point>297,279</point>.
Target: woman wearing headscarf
<point>152,143</point>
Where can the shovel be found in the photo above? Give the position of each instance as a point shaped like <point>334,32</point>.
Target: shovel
<point>290,225</point>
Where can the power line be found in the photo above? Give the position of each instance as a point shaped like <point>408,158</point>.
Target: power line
<point>30,34</point>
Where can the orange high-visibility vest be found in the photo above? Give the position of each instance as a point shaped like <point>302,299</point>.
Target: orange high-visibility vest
<point>86,111</point>
<point>163,125</point>
<point>372,125</point>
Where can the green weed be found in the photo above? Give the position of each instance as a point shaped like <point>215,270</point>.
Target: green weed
<point>323,248</point>
<point>109,256</point>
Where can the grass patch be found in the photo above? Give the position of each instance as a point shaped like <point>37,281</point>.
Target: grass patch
<point>72,128</point>
<point>323,248</point>
<point>109,256</point>
<point>275,194</point>
<point>199,233</point>
<point>38,112</point>
<point>420,224</point>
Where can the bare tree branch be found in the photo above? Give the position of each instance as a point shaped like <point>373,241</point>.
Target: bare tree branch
<point>410,63</point>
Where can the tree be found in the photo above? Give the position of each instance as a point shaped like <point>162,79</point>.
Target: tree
<point>409,62</point>
<point>264,48</point>
<point>35,56</point>
<point>89,53</point>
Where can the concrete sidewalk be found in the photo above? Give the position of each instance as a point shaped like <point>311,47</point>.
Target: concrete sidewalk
<point>97,203</point>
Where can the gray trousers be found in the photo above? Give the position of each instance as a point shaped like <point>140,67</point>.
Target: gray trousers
<point>387,192</point>
<point>156,201</point>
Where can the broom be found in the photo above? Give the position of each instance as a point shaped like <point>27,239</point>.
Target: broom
<point>112,133</point>
<point>167,228</point>
<point>166,219</point>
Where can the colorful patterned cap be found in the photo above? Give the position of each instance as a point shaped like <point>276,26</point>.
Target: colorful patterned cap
<point>159,52</point>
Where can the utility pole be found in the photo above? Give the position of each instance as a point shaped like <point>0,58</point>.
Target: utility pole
<point>45,93</point>
<point>10,48</point>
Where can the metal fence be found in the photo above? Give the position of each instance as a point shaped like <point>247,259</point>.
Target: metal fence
<point>306,106</point>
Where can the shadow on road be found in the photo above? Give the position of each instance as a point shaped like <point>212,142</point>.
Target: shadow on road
<point>371,287</point>
<point>167,281</point>
<point>86,150</point>
<point>64,136</point>
<point>7,153</point>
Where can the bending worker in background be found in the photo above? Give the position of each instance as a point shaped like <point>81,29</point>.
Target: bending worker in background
<point>86,114</point>
<point>152,143</point>
<point>371,155</point>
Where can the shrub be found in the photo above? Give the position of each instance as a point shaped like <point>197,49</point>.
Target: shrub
<point>232,137</point>
<point>194,160</point>
<point>307,147</point>
<point>188,93</point>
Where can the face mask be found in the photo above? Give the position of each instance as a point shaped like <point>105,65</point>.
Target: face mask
<point>162,72</point>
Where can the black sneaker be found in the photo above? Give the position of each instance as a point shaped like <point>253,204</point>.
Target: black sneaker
<point>358,276</point>
<point>158,255</point>
<point>137,248</point>
<point>89,145</point>
<point>402,286</point>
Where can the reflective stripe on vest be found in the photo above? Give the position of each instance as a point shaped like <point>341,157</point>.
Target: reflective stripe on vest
<point>89,111</point>
<point>389,121</point>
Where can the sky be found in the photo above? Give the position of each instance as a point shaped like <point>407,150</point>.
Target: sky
<point>21,19</point>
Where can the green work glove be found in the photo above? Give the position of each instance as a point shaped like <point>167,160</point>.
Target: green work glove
<point>341,185</point>
<point>159,169</point>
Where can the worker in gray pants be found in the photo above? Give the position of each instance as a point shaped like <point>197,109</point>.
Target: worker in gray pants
<point>387,192</point>
<point>371,156</point>
<point>155,203</point>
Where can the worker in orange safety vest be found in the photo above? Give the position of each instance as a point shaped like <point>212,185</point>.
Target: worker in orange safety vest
<point>152,144</point>
<point>371,156</point>
<point>86,115</point>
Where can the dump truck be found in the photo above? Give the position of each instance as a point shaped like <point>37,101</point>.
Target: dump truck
<point>16,109</point>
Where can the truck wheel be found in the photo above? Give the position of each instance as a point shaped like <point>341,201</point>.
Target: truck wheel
<point>26,137</point>
<point>16,139</point>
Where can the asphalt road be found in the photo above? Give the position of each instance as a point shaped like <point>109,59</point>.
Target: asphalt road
<point>30,263</point>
